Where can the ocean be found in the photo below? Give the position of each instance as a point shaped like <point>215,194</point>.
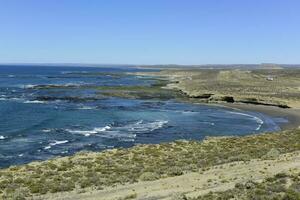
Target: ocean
<point>39,124</point>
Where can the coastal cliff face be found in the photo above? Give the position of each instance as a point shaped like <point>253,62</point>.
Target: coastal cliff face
<point>275,87</point>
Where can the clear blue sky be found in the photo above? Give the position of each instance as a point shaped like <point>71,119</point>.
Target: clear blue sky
<point>150,31</point>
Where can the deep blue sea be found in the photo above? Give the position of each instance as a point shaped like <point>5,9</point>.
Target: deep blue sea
<point>32,129</point>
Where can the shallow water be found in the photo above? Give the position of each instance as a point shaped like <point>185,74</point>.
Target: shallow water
<point>31,129</point>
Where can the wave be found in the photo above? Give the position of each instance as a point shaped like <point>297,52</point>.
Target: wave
<point>3,97</point>
<point>87,108</point>
<point>257,119</point>
<point>34,101</point>
<point>72,72</point>
<point>125,132</point>
<point>89,132</point>
<point>11,99</point>
<point>28,86</point>
<point>56,142</point>
<point>140,126</point>
<point>189,112</point>
<point>32,86</point>
<point>47,130</point>
<point>2,137</point>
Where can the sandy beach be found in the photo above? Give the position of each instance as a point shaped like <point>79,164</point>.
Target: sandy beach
<point>290,114</point>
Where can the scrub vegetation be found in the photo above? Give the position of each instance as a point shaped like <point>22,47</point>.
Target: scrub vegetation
<point>276,87</point>
<point>281,186</point>
<point>88,170</point>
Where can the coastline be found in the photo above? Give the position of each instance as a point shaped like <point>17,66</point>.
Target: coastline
<point>277,99</point>
<point>290,114</point>
<point>215,164</point>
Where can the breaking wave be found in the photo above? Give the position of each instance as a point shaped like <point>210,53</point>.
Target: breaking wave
<point>257,119</point>
<point>126,132</point>
<point>141,126</point>
<point>89,132</point>
<point>87,108</point>
<point>32,86</point>
<point>34,101</point>
<point>56,142</point>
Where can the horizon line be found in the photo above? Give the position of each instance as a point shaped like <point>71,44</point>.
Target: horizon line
<point>130,64</point>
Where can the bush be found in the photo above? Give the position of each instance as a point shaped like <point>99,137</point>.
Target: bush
<point>148,176</point>
<point>272,154</point>
<point>175,171</point>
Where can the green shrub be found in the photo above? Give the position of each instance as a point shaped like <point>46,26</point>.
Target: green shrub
<point>174,171</point>
<point>271,155</point>
<point>148,176</point>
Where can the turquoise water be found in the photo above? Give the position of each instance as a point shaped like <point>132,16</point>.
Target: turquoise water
<point>34,129</point>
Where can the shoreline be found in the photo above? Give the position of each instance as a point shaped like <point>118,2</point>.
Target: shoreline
<point>245,90</point>
<point>290,114</point>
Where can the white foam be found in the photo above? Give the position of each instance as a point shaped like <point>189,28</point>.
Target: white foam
<point>15,99</point>
<point>189,112</point>
<point>126,131</point>
<point>70,72</point>
<point>29,86</point>
<point>71,84</point>
<point>46,130</point>
<point>89,132</point>
<point>2,137</point>
<point>34,101</point>
<point>143,127</point>
<point>56,142</point>
<point>87,108</point>
<point>257,119</point>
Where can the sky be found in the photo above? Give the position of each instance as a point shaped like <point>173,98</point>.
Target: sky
<point>150,31</point>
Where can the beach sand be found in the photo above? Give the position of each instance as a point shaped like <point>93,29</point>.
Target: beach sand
<point>291,114</point>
